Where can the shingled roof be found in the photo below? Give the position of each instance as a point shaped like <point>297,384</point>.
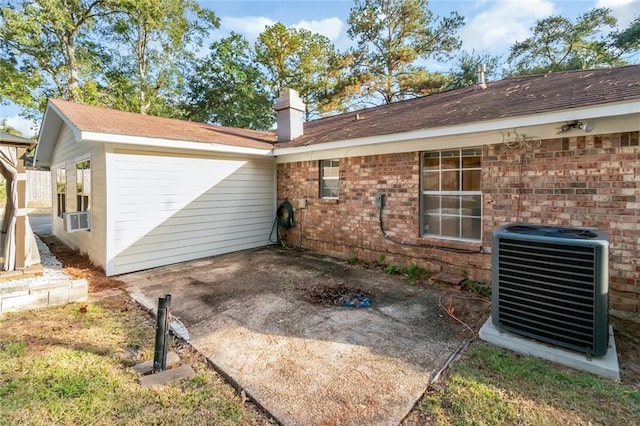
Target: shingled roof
<point>511,97</point>
<point>109,121</point>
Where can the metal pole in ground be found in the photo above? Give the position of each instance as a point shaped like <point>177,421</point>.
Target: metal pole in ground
<point>162,334</point>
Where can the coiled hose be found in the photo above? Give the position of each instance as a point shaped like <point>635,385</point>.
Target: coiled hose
<point>284,220</point>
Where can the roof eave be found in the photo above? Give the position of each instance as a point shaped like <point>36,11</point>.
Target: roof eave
<point>52,123</point>
<point>7,139</point>
<point>174,144</point>
<point>582,113</point>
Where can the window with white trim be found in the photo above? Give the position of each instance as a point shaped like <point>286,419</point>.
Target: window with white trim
<point>61,191</point>
<point>329,178</point>
<point>451,204</point>
<point>83,185</point>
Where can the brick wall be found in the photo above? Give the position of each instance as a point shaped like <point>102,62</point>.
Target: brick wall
<point>586,181</point>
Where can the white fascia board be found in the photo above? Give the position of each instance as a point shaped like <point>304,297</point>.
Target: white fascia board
<point>592,112</point>
<point>52,123</point>
<point>168,143</point>
<point>74,129</point>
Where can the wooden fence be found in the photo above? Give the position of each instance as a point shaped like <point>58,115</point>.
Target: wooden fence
<point>39,184</point>
<point>38,188</point>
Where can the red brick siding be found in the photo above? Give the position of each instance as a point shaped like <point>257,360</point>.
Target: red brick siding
<point>586,181</point>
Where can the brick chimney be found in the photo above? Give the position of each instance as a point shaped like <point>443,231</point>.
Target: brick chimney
<point>290,108</point>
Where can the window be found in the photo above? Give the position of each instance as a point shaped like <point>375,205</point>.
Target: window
<point>329,178</point>
<point>61,191</point>
<point>451,193</point>
<point>83,183</point>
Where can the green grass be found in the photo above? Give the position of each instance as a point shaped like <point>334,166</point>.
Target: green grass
<point>415,273</point>
<point>480,288</point>
<point>393,269</point>
<point>61,366</point>
<point>491,386</point>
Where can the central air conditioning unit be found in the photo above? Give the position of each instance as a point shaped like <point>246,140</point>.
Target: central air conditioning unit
<point>551,284</point>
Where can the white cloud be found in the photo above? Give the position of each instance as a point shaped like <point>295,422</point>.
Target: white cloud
<point>330,27</point>
<point>22,124</point>
<point>252,26</point>
<point>505,22</point>
<point>248,26</point>
<point>625,10</point>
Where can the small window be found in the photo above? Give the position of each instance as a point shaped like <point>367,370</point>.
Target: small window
<point>452,193</point>
<point>83,183</point>
<point>329,178</point>
<point>61,191</point>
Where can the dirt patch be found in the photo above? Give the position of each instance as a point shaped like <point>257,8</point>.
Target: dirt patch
<point>340,295</point>
<point>79,266</point>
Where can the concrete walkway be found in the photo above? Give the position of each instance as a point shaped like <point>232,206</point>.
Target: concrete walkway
<point>251,314</point>
<point>40,223</point>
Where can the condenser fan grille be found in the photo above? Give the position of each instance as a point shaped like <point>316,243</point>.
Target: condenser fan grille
<point>542,293</point>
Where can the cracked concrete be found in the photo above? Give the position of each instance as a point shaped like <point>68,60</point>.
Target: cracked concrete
<point>308,364</point>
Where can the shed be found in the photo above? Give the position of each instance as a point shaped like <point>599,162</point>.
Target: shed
<point>136,192</point>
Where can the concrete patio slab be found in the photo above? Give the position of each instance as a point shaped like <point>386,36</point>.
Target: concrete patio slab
<point>309,364</point>
<point>605,366</point>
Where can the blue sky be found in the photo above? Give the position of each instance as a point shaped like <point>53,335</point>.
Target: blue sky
<point>490,25</point>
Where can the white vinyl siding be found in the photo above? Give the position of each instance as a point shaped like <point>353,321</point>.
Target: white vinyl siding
<point>66,154</point>
<point>168,208</point>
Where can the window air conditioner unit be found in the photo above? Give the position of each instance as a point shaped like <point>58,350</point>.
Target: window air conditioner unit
<point>551,284</point>
<point>77,221</point>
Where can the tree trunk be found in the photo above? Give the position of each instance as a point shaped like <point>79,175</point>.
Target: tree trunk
<point>142,70</point>
<point>73,83</point>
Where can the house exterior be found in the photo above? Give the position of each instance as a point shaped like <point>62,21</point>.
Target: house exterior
<point>158,191</point>
<point>556,149</point>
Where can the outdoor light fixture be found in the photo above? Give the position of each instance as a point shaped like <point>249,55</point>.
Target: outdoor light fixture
<point>586,126</point>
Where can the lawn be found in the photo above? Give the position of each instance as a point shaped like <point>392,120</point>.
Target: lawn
<point>71,365</point>
<point>492,386</point>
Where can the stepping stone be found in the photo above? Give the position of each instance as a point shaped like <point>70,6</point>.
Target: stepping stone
<point>147,366</point>
<point>167,376</point>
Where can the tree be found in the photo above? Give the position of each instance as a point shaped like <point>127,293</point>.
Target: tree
<point>299,59</point>
<point>340,84</point>
<point>6,128</point>
<point>227,88</point>
<point>391,36</point>
<point>557,44</point>
<point>47,48</point>
<point>464,73</point>
<point>15,85</point>
<point>155,40</point>
<point>628,40</point>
